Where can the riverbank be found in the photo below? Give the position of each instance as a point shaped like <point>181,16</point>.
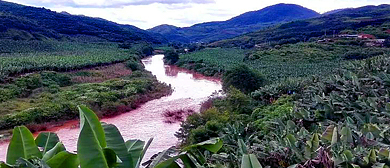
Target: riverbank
<point>189,91</point>
<point>108,91</point>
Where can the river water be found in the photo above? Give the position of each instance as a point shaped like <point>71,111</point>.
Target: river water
<point>147,121</point>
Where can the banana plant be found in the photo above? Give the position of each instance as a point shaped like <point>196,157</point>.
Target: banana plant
<point>102,145</point>
<point>247,160</point>
<point>190,157</point>
<point>44,151</point>
<point>99,145</point>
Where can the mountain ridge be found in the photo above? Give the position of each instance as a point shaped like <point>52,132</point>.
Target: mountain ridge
<point>353,20</point>
<point>19,22</point>
<point>244,23</point>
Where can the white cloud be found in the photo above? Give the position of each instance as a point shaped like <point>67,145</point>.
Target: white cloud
<point>150,13</point>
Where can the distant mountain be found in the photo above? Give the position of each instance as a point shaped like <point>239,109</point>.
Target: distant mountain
<point>369,19</point>
<point>247,22</point>
<point>335,11</point>
<point>20,22</point>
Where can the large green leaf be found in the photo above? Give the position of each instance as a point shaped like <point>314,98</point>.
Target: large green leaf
<point>22,145</point>
<point>87,115</point>
<point>250,161</point>
<point>335,136</point>
<point>59,147</point>
<point>328,134</point>
<point>111,157</point>
<point>115,142</point>
<point>170,163</point>
<point>212,145</point>
<point>5,165</point>
<point>47,140</point>
<point>346,135</point>
<point>135,148</point>
<point>164,155</point>
<point>64,159</point>
<point>143,152</point>
<point>89,149</point>
<point>242,147</point>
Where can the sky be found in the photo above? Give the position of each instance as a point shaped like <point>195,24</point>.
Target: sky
<point>149,13</point>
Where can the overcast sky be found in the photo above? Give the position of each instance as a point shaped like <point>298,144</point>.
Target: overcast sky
<point>149,13</point>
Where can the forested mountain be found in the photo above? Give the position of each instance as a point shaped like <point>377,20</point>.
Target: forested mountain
<point>20,22</point>
<point>373,20</point>
<point>247,22</point>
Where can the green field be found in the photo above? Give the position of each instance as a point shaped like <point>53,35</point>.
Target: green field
<point>45,81</point>
<point>288,61</point>
<point>58,56</point>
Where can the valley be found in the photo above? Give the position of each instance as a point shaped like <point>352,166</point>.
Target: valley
<point>282,86</point>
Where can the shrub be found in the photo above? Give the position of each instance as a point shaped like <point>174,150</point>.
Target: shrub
<point>200,126</point>
<point>134,65</point>
<point>171,57</point>
<point>242,78</point>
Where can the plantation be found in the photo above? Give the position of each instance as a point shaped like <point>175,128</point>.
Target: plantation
<point>287,61</point>
<point>337,121</point>
<point>65,74</point>
<point>59,57</point>
<point>101,145</point>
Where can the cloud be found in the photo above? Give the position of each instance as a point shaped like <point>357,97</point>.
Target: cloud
<point>108,3</point>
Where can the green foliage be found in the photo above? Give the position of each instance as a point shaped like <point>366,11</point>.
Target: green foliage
<point>279,109</point>
<point>201,126</point>
<point>68,57</point>
<point>300,60</point>
<point>107,98</point>
<point>171,57</point>
<point>274,91</point>
<point>20,22</point>
<point>97,146</point>
<point>302,30</point>
<point>189,156</point>
<point>134,65</point>
<point>242,78</point>
<point>211,61</point>
<point>22,145</point>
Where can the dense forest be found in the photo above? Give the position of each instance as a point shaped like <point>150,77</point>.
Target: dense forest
<point>18,22</point>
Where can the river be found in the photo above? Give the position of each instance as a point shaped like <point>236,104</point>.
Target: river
<point>147,121</point>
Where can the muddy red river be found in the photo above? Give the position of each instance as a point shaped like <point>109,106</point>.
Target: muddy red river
<point>190,90</point>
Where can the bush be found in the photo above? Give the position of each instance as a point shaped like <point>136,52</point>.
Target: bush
<point>134,65</point>
<point>242,78</point>
<point>201,126</point>
<point>171,57</point>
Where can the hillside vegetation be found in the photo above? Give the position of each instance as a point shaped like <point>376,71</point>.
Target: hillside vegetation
<point>247,22</point>
<point>348,21</point>
<point>18,22</point>
<point>321,101</point>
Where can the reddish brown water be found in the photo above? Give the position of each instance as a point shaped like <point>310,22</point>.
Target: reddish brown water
<point>190,90</point>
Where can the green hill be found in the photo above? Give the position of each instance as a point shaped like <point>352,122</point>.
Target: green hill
<point>20,22</point>
<point>247,22</point>
<point>369,19</point>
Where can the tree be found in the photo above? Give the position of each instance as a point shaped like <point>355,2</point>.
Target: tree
<point>171,57</point>
<point>242,78</point>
